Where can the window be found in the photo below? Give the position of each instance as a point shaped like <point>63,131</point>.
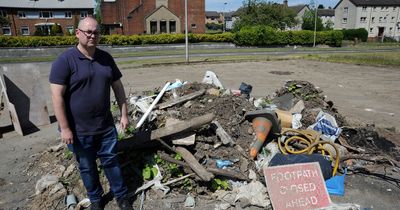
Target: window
<point>45,14</point>
<point>70,30</point>
<point>344,20</point>
<point>345,10</point>
<point>394,8</point>
<point>382,8</point>
<point>153,26</point>
<point>6,30</point>
<point>363,19</point>
<point>68,14</point>
<point>380,19</point>
<point>21,14</point>
<point>25,30</point>
<point>364,9</point>
<point>194,26</point>
<point>392,20</point>
<point>84,14</point>
<point>172,26</point>
<point>373,19</point>
<point>371,30</point>
<point>163,26</point>
<point>374,9</point>
<point>391,29</point>
<point>384,19</point>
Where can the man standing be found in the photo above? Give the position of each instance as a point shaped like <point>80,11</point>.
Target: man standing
<point>80,81</point>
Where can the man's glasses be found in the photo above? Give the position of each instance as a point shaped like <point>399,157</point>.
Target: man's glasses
<point>89,33</point>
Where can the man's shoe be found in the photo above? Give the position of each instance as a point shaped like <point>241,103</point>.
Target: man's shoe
<point>96,206</point>
<point>124,204</point>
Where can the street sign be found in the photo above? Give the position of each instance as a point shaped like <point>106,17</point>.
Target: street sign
<point>296,186</point>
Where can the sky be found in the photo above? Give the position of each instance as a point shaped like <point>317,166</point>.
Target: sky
<point>233,5</point>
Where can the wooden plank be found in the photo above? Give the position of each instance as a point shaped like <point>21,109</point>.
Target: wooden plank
<point>194,164</point>
<point>181,99</point>
<point>182,126</point>
<point>219,172</point>
<point>11,107</point>
<point>222,134</point>
<point>147,139</point>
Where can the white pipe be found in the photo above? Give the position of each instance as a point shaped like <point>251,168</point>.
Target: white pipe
<point>146,114</point>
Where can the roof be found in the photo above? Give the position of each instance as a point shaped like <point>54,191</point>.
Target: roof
<point>373,2</point>
<point>212,14</point>
<point>326,12</point>
<point>48,4</point>
<point>297,8</point>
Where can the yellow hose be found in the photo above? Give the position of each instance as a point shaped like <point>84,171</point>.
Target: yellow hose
<point>312,142</point>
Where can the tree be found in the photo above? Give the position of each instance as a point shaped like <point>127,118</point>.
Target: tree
<point>4,21</point>
<point>309,21</point>
<point>260,12</point>
<point>329,25</point>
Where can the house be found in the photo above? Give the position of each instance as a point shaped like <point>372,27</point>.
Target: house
<point>327,16</point>
<point>152,16</point>
<point>381,18</point>
<point>213,17</point>
<point>299,10</point>
<point>26,17</point>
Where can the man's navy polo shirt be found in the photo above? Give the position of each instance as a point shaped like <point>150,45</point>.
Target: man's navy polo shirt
<point>87,95</point>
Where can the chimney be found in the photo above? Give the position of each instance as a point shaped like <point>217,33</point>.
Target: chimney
<point>285,2</point>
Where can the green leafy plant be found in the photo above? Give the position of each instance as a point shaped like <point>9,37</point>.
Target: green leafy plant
<point>149,172</point>
<point>218,184</point>
<point>68,154</point>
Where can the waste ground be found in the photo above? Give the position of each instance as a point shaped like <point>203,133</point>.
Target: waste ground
<point>367,151</point>
<point>360,188</point>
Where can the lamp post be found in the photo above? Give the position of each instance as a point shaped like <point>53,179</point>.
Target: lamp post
<point>223,18</point>
<point>186,34</point>
<point>315,21</point>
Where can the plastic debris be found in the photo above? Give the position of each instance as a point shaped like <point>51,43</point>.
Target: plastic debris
<point>211,78</point>
<point>223,163</point>
<point>326,124</point>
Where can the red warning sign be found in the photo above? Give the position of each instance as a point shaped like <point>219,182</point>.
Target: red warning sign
<point>297,186</point>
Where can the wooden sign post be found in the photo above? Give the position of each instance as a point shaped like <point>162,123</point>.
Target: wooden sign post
<point>296,187</point>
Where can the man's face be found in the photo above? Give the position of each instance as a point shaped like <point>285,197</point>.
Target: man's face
<point>88,33</point>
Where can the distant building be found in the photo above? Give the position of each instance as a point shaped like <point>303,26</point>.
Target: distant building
<point>213,17</point>
<point>379,17</point>
<point>299,10</point>
<point>327,16</point>
<point>152,16</point>
<point>27,16</point>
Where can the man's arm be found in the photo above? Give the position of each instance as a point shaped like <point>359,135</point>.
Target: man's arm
<point>120,96</point>
<point>57,95</point>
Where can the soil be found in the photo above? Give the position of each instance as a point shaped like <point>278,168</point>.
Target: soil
<point>364,101</point>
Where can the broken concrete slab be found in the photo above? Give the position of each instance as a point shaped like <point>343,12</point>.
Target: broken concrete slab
<point>24,96</point>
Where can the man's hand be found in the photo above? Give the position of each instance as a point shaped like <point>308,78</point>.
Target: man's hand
<point>124,122</point>
<point>67,136</point>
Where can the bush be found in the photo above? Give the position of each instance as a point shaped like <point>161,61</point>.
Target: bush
<point>266,36</point>
<point>351,34</point>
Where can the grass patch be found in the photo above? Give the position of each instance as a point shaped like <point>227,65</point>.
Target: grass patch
<point>381,58</point>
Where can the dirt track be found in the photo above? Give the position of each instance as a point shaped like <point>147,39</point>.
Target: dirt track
<point>354,89</point>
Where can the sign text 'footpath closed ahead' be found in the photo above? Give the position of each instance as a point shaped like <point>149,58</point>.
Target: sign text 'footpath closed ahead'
<point>296,186</point>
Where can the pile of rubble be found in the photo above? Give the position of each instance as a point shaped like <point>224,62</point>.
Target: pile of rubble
<point>193,148</point>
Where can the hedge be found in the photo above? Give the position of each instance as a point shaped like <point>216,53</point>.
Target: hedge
<point>267,36</point>
<point>351,34</point>
<point>252,36</point>
<point>36,41</point>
